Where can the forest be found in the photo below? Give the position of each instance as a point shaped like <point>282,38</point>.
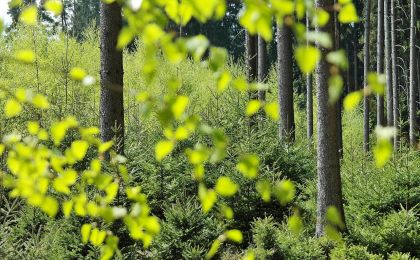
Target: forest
<point>217,129</point>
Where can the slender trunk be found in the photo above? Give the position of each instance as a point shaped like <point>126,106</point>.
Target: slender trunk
<point>380,65</point>
<point>111,107</point>
<point>309,97</point>
<point>388,62</point>
<point>251,46</point>
<point>413,85</point>
<point>328,162</point>
<point>356,68</point>
<point>395,90</point>
<point>285,72</point>
<point>366,128</point>
<point>262,65</point>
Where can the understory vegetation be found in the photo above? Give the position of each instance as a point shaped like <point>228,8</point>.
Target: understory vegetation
<point>381,205</point>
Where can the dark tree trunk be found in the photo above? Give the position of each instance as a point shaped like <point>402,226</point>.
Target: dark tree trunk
<point>285,72</point>
<point>309,97</point>
<point>340,100</point>
<point>328,162</point>
<point>112,106</point>
<point>262,65</point>
<point>366,128</point>
<point>251,49</point>
<point>395,89</point>
<point>413,85</point>
<point>380,117</point>
<point>355,68</point>
<point>388,62</point>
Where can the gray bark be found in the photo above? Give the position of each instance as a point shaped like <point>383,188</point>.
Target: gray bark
<point>309,97</point>
<point>366,128</point>
<point>395,90</point>
<point>380,117</point>
<point>285,72</point>
<point>111,107</point>
<point>262,65</point>
<point>356,68</point>
<point>413,84</point>
<point>328,165</point>
<point>388,62</point>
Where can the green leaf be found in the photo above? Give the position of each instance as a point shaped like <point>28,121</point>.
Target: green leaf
<point>382,152</point>
<point>163,148</point>
<point>264,189</point>
<point>85,231</point>
<point>197,46</point>
<point>272,110</point>
<point>253,107</point>
<point>179,106</point>
<point>348,14</point>
<point>54,6</point>
<point>77,74</point>
<point>79,149</point>
<point>352,100</point>
<point>67,207</point>
<point>125,37</point>
<point>376,83</point>
<point>234,235</point>
<point>12,108</point>
<point>333,216</point>
<point>285,191</point>
<point>338,58</point>
<point>307,58</point>
<point>321,38</point>
<point>97,237</point>
<point>217,58</point>
<point>207,198</point>
<point>248,165</point>
<point>50,206</point>
<point>213,249</point>
<point>295,223</point>
<point>29,15</point>
<point>226,187</point>
<point>335,88</point>
<point>41,102</point>
<point>223,81</point>
<point>320,18</point>
<point>25,56</point>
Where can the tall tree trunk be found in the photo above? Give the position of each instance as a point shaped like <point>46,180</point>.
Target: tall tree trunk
<point>112,106</point>
<point>251,48</point>
<point>395,90</point>
<point>388,62</point>
<point>328,162</point>
<point>262,65</point>
<point>366,128</point>
<point>285,72</point>
<point>309,96</point>
<point>413,84</point>
<point>380,64</point>
<point>356,68</point>
<point>340,100</point>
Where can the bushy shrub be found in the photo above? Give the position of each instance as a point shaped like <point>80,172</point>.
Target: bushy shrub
<point>352,252</point>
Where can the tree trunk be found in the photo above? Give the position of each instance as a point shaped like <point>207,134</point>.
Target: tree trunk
<point>413,84</point>
<point>262,65</point>
<point>356,68</point>
<point>340,100</point>
<point>388,62</point>
<point>112,106</point>
<point>395,90</point>
<point>309,96</point>
<point>366,128</point>
<point>328,165</point>
<point>285,72</point>
<point>380,64</point>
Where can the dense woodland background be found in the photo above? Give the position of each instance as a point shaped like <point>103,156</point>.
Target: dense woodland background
<point>328,150</point>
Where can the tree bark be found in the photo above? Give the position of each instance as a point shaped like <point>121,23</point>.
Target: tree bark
<point>366,128</point>
<point>309,96</point>
<point>262,66</point>
<point>285,72</point>
<point>413,84</point>
<point>380,64</point>
<point>328,165</point>
<point>395,90</point>
<point>388,62</point>
<point>112,106</point>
